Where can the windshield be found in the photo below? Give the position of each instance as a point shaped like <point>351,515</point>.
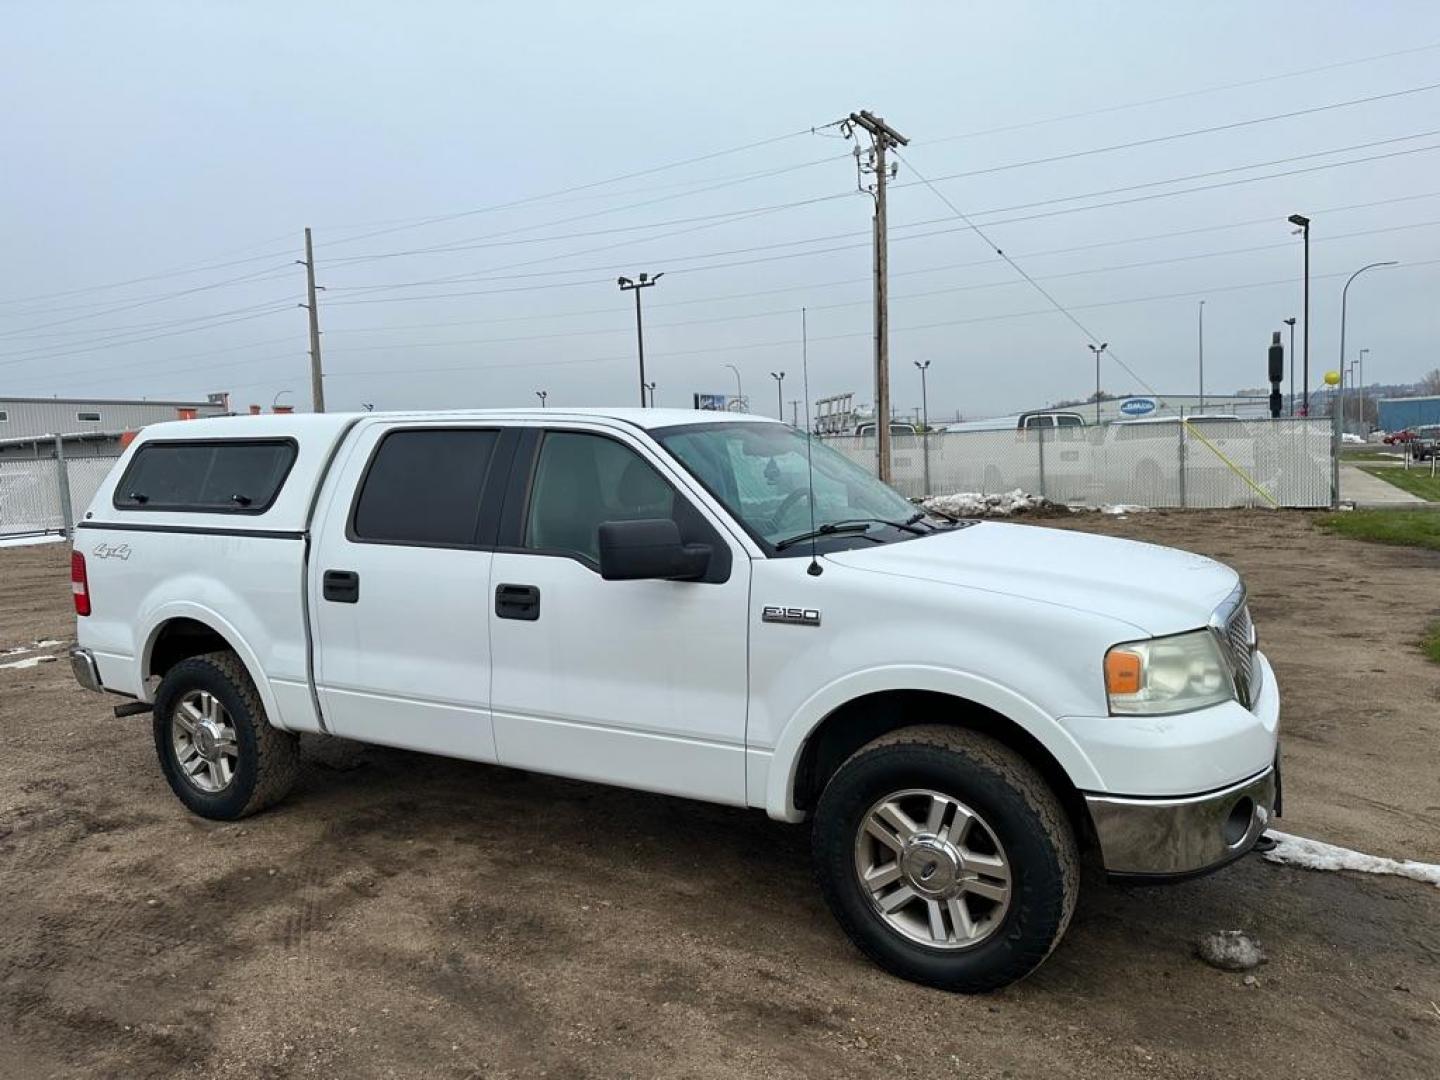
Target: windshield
<point>759,472</point>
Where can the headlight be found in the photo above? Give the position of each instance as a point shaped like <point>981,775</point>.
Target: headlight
<point>1167,675</point>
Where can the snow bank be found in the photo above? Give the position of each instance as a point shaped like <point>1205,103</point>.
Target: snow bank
<point>972,504</point>
<point>1315,855</point>
<point>26,541</point>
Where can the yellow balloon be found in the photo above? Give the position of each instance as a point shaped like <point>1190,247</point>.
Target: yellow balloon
<point>1332,378</point>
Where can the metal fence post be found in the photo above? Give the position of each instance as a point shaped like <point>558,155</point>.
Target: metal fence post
<point>1041,430</point>
<point>1181,431</point>
<point>62,483</point>
<point>1334,455</point>
<point>925,452</point>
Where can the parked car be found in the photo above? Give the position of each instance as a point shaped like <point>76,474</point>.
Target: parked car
<point>674,601</point>
<point>1424,444</point>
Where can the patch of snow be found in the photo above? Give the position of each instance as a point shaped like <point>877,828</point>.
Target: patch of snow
<point>30,661</point>
<point>973,504</point>
<point>1121,509</point>
<point>26,541</point>
<point>1315,855</point>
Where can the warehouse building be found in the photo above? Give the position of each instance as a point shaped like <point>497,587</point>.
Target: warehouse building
<point>1397,414</point>
<point>88,427</point>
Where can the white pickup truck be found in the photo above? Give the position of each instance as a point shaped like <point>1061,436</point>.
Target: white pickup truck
<point>674,601</point>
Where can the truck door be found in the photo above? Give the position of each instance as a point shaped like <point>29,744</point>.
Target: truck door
<point>399,573</point>
<point>640,683</point>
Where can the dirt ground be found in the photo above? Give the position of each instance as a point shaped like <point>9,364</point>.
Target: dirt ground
<point>402,915</point>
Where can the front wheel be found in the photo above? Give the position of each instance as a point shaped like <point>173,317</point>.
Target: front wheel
<point>220,755</point>
<point>946,858</point>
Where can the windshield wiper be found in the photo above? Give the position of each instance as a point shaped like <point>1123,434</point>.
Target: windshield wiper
<point>849,525</point>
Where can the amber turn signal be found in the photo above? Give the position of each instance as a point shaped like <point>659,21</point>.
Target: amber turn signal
<point>1122,672</point>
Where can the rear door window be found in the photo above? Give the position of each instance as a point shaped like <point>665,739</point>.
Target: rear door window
<point>241,476</point>
<point>423,488</point>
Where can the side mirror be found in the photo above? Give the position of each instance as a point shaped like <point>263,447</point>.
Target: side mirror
<point>649,549</point>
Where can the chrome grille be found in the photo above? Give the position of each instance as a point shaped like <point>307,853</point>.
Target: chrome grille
<point>1236,632</point>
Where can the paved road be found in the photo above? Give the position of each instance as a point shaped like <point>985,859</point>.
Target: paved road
<point>1365,490</point>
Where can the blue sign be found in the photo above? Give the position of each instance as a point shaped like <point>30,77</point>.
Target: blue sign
<point>1138,406</point>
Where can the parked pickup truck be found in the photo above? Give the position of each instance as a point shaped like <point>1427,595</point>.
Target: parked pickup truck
<point>674,601</point>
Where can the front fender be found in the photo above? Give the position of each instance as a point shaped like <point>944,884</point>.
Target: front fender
<point>785,758</point>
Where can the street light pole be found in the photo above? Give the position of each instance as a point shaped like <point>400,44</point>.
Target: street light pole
<point>1362,389</point>
<point>1290,322</point>
<point>542,395</point>
<point>924,366</point>
<point>651,387</point>
<point>779,377</point>
<point>1202,355</point>
<point>642,281</point>
<point>739,389</point>
<point>1097,351</point>
<point>1344,297</point>
<point>1303,224</point>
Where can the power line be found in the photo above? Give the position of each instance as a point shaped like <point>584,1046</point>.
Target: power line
<point>581,187</point>
<point>1153,140</point>
<point>1182,94</point>
<point>675,259</point>
<point>285,305</point>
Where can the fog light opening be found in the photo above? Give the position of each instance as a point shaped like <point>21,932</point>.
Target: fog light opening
<point>1238,823</point>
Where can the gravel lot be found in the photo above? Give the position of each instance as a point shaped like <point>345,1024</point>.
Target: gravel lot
<point>403,915</point>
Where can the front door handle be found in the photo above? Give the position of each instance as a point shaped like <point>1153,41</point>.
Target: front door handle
<point>517,602</point>
<point>342,586</point>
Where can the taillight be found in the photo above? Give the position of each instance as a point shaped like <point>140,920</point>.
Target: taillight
<point>79,583</point>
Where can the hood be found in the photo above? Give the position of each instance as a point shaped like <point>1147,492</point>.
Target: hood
<point>1158,590</point>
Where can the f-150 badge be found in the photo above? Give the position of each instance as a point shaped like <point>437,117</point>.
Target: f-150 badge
<point>795,615</point>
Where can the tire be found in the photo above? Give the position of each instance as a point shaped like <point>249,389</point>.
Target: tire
<point>250,765</point>
<point>1022,829</point>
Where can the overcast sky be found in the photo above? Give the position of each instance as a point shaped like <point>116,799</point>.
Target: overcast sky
<point>147,138</point>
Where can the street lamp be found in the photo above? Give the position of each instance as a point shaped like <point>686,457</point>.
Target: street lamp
<point>644,281</point>
<point>779,377</point>
<point>739,390</point>
<point>651,387</point>
<point>1290,322</point>
<point>1097,350</point>
<point>542,395</point>
<point>924,365</point>
<point>1344,296</point>
<point>1302,223</point>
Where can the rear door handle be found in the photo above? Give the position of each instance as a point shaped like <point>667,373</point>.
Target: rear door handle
<point>342,586</point>
<point>517,602</point>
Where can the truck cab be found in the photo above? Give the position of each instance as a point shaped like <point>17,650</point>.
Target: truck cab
<point>714,607</point>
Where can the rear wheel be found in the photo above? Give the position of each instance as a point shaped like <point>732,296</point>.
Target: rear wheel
<point>946,858</point>
<point>220,755</point>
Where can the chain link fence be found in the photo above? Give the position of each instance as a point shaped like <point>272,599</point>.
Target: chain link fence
<point>44,495</point>
<point>1204,462</point>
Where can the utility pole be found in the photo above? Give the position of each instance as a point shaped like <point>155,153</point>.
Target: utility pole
<point>317,378</point>
<point>779,377</point>
<point>1301,222</point>
<point>644,281</point>
<point>1290,322</point>
<point>882,138</point>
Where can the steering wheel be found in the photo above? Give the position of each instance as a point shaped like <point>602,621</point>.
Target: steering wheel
<point>788,502</point>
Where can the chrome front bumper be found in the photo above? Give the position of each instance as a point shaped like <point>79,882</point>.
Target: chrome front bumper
<point>82,663</point>
<point>1186,836</point>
